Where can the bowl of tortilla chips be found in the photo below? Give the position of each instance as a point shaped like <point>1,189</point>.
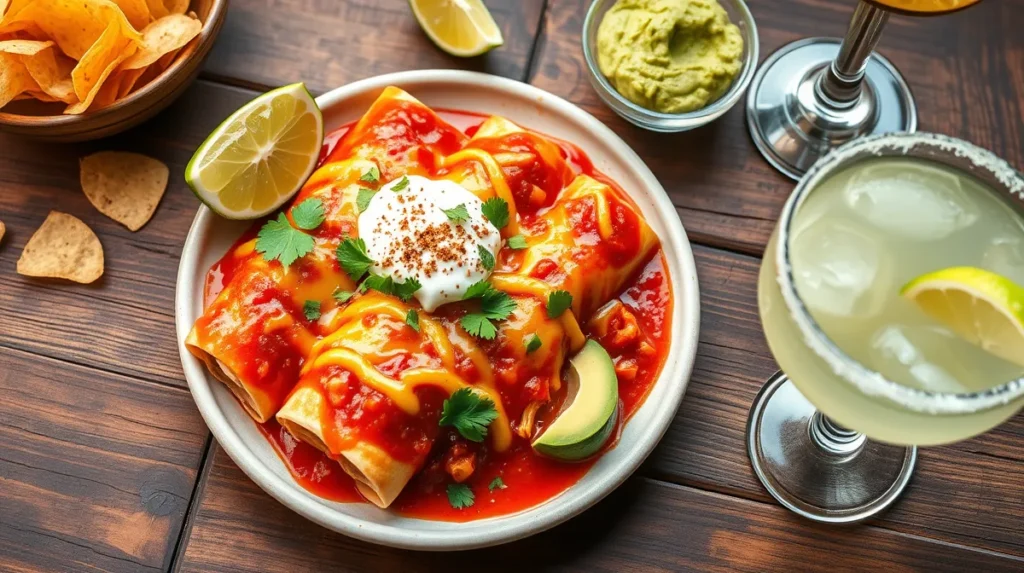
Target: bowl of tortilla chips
<point>75,70</point>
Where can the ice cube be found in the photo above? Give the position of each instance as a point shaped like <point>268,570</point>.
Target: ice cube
<point>914,201</point>
<point>1005,255</point>
<point>840,269</point>
<point>899,352</point>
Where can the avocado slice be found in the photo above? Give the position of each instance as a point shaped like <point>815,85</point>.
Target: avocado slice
<point>590,412</point>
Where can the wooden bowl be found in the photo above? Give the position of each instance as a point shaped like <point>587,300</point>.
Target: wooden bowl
<point>40,121</point>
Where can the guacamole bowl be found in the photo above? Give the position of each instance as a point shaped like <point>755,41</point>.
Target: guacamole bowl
<point>662,121</point>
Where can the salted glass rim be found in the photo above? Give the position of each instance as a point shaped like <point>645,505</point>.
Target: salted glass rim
<point>864,379</point>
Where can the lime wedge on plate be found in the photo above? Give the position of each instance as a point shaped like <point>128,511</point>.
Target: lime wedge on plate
<point>260,156</point>
<point>982,307</point>
<point>459,27</point>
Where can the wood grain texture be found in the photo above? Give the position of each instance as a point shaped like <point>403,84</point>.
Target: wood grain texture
<point>966,71</point>
<point>327,43</point>
<point>645,525</point>
<point>124,322</point>
<point>96,469</point>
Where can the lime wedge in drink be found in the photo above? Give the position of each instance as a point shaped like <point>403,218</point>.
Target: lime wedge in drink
<point>982,307</point>
<point>260,156</point>
<point>459,27</point>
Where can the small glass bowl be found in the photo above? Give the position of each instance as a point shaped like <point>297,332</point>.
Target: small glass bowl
<point>671,122</point>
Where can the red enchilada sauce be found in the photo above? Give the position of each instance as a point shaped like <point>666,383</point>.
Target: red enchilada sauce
<point>528,478</point>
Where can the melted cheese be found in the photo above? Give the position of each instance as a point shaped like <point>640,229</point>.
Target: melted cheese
<point>496,176</point>
<point>519,284</point>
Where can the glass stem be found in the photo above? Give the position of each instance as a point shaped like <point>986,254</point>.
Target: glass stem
<point>833,438</point>
<point>839,85</point>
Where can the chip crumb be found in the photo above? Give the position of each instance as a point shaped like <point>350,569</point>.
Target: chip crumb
<point>63,247</point>
<point>3,230</point>
<point>124,186</point>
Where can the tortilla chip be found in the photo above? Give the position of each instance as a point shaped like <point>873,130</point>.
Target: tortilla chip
<point>136,11</point>
<point>95,65</point>
<point>51,70</point>
<point>157,9</point>
<point>124,186</point>
<point>3,229</point>
<point>128,80</point>
<point>14,78</point>
<point>177,6</point>
<point>24,47</point>
<point>74,24</point>
<point>63,247</point>
<point>163,36</point>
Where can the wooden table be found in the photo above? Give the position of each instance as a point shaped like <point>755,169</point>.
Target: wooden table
<point>105,464</point>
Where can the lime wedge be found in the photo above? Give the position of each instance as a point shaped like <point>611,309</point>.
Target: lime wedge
<point>459,27</point>
<point>982,307</point>
<point>260,156</point>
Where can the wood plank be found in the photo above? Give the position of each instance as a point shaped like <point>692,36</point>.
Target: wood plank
<point>966,71</point>
<point>644,526</point>
<point>328,44</point>
<point>124,322</point>
<point>96,469</point>
<point>967,493</point>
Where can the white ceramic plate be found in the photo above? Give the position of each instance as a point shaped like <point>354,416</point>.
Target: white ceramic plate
<point>211,236</point>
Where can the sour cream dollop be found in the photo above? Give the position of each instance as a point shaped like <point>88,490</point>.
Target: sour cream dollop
<point>409,235</point>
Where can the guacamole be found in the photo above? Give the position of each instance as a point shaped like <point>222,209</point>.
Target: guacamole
<point>671,56</point>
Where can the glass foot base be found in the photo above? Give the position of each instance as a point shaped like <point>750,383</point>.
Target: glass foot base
<point>788,121</point>
<point>852,480</point>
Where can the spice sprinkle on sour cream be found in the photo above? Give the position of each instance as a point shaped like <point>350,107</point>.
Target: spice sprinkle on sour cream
<point>432,231</point>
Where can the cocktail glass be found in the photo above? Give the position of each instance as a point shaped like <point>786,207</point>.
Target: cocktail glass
<point>815,429</point>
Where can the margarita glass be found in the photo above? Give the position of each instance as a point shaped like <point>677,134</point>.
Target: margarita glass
<point>868,376</point>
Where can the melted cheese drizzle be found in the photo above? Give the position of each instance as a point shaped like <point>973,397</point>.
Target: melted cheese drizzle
<point>518,284</point>
<point>495,174</point>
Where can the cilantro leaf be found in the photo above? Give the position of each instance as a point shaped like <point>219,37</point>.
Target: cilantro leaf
<point>497,305</point>
<point>460,496</point>
<point>532,344</point>
<point>479,326</point>
<point>363,198</point>
<point>309,214</point>
<point>558,302</point>
<point>277,239</point>
<point>497,483</point>
<point>412,318</point>
<point>486,258</point>
<point>352,256</point>
<point>311,308</point>
<point>496,211</point>
<point>387,285</point>
<point>476,290</point>
<point>469,413</point>
<point>401,185</point>
<point>371,176</point>
<point>342,296</point>
<point>457,214</point>
<point>516,242</point>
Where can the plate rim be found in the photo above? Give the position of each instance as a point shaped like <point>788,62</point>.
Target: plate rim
<point>500,529</point>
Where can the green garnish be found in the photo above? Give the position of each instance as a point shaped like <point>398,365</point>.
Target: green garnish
<point>558,302</point>
<point>496,483</point>
<point>532,344</point>
<point>517,242</point>
<point>387,285</point>
<point>309,214</point>
<point>353,258</point>
<point>364,197</point>
<point>496,211</point>
<point>342,296</point>
<point>486,258</point>
<point>371,176</point>
<point>494,305</point>
<point>311,308</point>
<point>412,318</point>
<point>460,496</point>
<point>277,239</point>
<point>401,185</point>
<point>469,413</point>
<point>457,214</point>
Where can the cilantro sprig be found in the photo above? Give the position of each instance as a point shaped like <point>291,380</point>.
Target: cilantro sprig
<point>342,296</point>
<point>309,214</point>
<point>533,344</point>
<point>460,496</point>
<point>388,285</point>
<point>495,210</point>
<point>401,185</point>
<point>486,258</point>
<point>558,302</point>
<point>494,305</point>
<point>353,258</point>
<point>311,308</point>
<point>372,175</point>
<point>458,213</point>
<point>412,318</point>
<point>469,413</point>
<point>278,240</point>
<point>496,483</point>
<point>363,198</point>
